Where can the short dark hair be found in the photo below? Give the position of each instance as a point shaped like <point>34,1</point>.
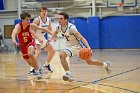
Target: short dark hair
<point>66,16</point>
<point>24,15</point>
<point>44,8</point>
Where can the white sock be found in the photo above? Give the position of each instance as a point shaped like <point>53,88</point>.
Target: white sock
<point>104,64</point>
<point>68,72</point>
<point>46,64</point>
<point>31,68</point>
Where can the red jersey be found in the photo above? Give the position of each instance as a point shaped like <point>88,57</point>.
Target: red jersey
<point>24,36</point>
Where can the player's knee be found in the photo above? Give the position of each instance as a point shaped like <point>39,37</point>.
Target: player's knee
<point>31,51</point>
<point>62,55</point>
<point>53,51</point>
<point>38,52</point>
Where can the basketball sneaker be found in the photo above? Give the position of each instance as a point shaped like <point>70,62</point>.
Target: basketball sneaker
<point>32,72</point>
<point>68,77</point>
<point>38,74</point>
<point>108,67</point>
<point>47,68</point>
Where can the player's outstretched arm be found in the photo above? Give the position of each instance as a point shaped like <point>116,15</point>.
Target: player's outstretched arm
<point>35,36</point>
<point>34,26</point>
<point>54,36</point>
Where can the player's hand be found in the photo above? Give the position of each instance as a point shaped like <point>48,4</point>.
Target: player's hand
<point>46,30</point>
<point>90,49</point>
<point>14,43</point>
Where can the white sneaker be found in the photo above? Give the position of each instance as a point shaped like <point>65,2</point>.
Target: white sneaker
<point>30,73</point>
<point>47,68</point>
<point>108,67</point>
<point>38,74</point>
<point>68,77</point>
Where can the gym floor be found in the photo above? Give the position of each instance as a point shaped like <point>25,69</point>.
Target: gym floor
<point>125,77</point>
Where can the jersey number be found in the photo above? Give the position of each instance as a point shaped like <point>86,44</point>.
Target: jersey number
<point>25,39</point>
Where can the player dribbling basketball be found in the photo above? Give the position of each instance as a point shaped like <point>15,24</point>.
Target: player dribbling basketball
<point>74,42</point>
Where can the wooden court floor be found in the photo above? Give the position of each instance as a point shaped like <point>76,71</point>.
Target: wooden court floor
<point>125,76</point>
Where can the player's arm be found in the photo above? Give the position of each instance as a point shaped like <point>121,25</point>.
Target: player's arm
<point>56,32</point>
<point>54,36</point>
<point>35,36</point>
<point>34,27</point>
<point>14,33</point>
<point>79,36</point>
<point>36,21</point>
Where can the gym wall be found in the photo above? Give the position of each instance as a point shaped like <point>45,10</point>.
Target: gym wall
<point>110,32</point>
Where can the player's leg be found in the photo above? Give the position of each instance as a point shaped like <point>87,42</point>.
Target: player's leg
<point>64,62</point>
<point>31,53</point>
<point>106,65</point>
<point>37,54</point>
<point>90,61</point>
<point>63,55</point>
<point>51,53</point>
<point>37,51</point>
<point>94,62</point>
<point>25,55</point>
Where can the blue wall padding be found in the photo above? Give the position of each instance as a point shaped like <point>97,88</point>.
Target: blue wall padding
<point>93,33</point>
<point>109,32</point>
<point>81,25</point>
<point>1,5</point>
<point>120,32</point>
<point>16,21</point>
<point>89,28</point>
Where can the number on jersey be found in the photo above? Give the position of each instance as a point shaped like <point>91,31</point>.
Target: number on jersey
<point>25,39</point>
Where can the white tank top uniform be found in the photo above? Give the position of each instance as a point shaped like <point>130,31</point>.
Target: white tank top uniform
<point>73,44</point>
<point>41,33</point>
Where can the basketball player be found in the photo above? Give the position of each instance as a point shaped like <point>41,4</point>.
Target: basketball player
<point>43,21</point>
<point>74,41</point>
<point>24,31</point>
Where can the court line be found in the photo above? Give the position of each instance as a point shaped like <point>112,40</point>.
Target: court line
<point>96,81</point>
<point>84,86</point>
<point>119,88</point>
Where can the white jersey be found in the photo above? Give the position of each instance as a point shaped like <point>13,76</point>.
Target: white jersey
<point>72,42</point>
<point>41,33</point>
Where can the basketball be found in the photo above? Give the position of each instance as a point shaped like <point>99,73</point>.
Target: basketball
<point>85,53</point>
